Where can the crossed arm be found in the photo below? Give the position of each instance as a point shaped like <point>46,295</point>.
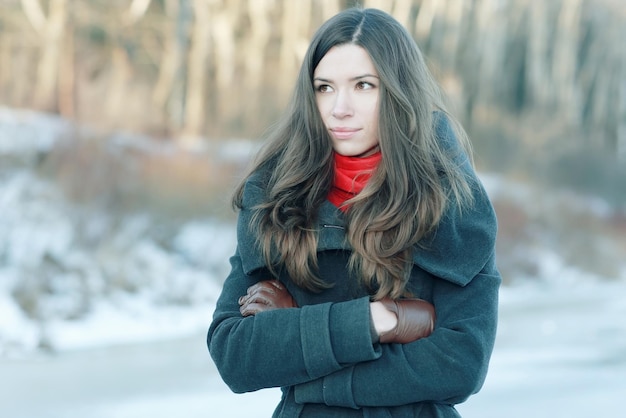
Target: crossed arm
<point>393,321</point>
<point>326,350</point>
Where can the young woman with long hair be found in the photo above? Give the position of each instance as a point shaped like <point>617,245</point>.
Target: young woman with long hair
<point>364,281</point>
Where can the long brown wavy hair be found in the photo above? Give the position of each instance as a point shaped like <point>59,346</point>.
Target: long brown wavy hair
<point>405,198</point>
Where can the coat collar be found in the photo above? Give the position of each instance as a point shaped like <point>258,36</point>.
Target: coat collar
<point>457,251</point>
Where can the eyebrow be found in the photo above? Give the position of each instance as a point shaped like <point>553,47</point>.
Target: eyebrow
<point>326,80</point>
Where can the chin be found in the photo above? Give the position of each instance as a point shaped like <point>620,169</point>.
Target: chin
<point>356,152</point>
<point>348,153</point>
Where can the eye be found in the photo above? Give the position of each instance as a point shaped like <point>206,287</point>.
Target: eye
<point>323,88</point>
<point>364,85</point>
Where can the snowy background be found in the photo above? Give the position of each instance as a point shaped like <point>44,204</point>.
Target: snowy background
<point>101,316</point>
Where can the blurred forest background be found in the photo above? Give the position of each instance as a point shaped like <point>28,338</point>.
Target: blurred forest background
<point>166,99</point>
<point>527,77</point>
<point>540,85</point>
<point>124,125</point>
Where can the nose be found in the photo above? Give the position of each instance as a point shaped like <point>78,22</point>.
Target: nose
<point>343,106</point>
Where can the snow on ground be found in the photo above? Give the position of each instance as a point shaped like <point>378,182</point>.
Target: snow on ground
<point>37,132</point>
<point>67,285</point>
<point>559,352</point>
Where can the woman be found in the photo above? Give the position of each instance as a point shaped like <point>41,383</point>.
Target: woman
<point>364,282</point>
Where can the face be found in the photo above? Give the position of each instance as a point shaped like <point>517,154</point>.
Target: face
<point>346,90</point>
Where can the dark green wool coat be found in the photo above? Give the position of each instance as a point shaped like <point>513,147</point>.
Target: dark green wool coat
<point>321,354</point>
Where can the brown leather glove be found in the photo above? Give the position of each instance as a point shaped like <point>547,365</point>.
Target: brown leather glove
<point>416,319</point>
<point>265,296</point>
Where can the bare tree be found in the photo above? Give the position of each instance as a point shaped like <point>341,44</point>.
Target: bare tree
<point>51,30</point>
<point>402,11</point>
<point>564,66</point>
<point>170,57</point>
<point>424,21</point>
<point>223,25</point>
<point>196,70</point>
<point>295,24</point>
<point>136,11</point>
<point>330,8</point>
<point>258,40</point>
<point>67,73</point>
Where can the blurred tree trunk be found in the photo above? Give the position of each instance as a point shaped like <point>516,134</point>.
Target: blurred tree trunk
<point>121,72</point>
<point>330,8</point>
<point>295,24</point>
<point>256,48</point>
<point>539,86</point>
<point>616,119</point>
<point>136,11</point>
<point>223,25</point>
<point>621,127</point>
<point>425,17</point>
<point>67,76</point>
<point>197,70</point>
<point>170,60</point>
<point>379,4</point>
<point>6,73</point>
<point>51,29</point>
<point>470,60</point>
<point>176,104</point>
<point>258,40</point>
<point>564,66</point>
<point>454,15</point>
<point>402,12</point>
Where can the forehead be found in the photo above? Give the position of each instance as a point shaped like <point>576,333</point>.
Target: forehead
<point>347,60</point>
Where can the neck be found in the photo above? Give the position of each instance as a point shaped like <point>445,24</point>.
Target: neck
<point>375,149</point>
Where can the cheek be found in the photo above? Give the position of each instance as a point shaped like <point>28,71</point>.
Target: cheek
<point>322,106</point>
<point>373,116</point>
<point>370,108</point>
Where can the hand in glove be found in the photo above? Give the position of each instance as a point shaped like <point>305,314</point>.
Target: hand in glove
<point>416,319</point>
<point>265,296</point>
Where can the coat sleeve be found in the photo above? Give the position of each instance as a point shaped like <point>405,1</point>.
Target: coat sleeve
<point>282,347</point>
<point>285,347</point>
<point>447,367</point>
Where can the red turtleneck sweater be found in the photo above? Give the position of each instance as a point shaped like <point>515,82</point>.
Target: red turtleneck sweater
<point>351,176</point>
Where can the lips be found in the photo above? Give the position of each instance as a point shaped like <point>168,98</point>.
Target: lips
<point>344,133</point>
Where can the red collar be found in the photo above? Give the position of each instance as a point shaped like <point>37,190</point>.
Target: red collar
<point>351,176</point>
